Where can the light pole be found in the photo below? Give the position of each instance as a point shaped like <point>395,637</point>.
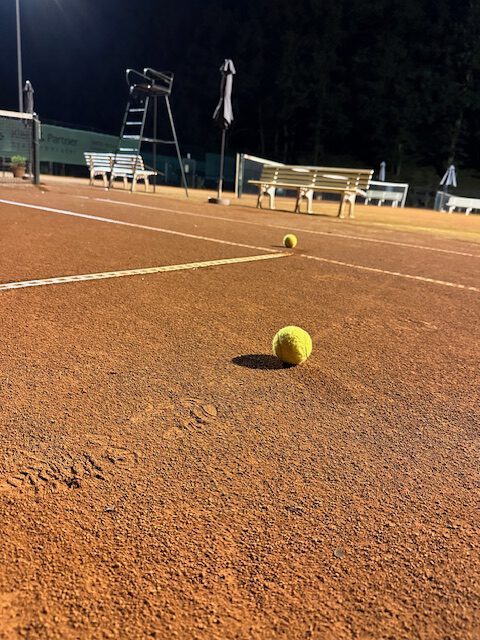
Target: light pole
<point>19,60</point>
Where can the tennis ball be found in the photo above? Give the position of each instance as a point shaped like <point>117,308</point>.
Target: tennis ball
<point>292,345</point>
<point>290,241</point>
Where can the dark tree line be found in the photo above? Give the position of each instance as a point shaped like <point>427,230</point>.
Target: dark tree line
<point>346,81</point>
<point>318,81</point>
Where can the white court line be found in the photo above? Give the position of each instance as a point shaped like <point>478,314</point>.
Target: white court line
<point>289,228</point>
<point>392,273</point>
<point>135,272</point>
<point>137,226</point>
<point>189,235</point>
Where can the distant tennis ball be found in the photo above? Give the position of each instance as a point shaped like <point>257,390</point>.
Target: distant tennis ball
<point>292,345</point>
<point>290,241</point>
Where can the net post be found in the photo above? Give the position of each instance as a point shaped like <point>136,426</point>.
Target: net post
<point>239,175</point>
<point>36,149</point>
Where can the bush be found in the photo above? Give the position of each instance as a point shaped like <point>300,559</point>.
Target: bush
<point>18,161</point>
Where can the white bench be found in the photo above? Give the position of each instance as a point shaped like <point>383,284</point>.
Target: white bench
<point>306,181</point>
<point>131,166</point>
<point>99,164</point>
<point>459,202</point>
<point>122,165</point>
<point>384,196</point>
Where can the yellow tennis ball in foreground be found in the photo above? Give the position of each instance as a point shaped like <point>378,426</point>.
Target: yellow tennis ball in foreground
<point>290,241</point>
<point>292,345</point>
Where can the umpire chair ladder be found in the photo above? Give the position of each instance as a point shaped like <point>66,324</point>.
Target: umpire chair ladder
<point>146,88</point>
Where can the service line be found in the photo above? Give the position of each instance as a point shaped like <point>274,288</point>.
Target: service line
<point>391,273</point>
<point>136,272</point>
<point>287,228</point>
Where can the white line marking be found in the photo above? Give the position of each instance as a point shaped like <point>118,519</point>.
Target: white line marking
<point>275,226</point>
<point>392,273</point>
<point>137,226</point>
<point>135,272</point>
<point>236,244</point>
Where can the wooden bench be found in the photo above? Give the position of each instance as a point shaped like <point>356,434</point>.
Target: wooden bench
<point>384,196</point>
<point>125,166</point>
<point>459,202</point>
<point>309,180</point>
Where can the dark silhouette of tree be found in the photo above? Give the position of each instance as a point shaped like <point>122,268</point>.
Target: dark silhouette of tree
<point>317,81</point>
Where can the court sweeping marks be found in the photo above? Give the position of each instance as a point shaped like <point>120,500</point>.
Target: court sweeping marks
<point>237,244</point>
<point>136,272</point>
<point>288,228</point>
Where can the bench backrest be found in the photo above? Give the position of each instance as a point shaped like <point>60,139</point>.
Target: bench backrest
<point>269,173</point>
<point>465,203</point>
<point>124,162</point>
<point>330,178</point>
<point>127,163</point>
<point>340,178</point>
<point>297,176</point>
<point>99,160</point>
<point>375,194</point>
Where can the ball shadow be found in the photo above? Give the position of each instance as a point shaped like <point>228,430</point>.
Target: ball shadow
<point>258,361</point>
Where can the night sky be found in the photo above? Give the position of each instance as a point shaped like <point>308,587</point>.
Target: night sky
<point>348,82</point>
<point>75,53</point>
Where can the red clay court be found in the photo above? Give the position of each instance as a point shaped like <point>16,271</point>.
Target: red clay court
<point>164,476</point>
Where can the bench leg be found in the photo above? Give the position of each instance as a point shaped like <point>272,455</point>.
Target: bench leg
<point>298,203</point>
<point>347,198</point>
<point>352,206</point>
<point>268,191</point>
<point>341,207</point>
<point>306,194</point>
<point>309,197</point>
<point>351,202</point>
<point>271,195</point>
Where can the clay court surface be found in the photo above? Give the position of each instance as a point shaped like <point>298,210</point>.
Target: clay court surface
<point>163,476</point>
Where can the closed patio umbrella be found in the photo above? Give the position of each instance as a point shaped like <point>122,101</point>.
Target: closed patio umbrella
<point>382,172</point>
<point>28,97</point>
<point>449,180</point>
<point>223,116</point>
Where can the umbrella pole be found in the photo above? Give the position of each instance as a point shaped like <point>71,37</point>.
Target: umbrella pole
<point>222,158</point>
<point>219,199</point>
<point>155,108</point>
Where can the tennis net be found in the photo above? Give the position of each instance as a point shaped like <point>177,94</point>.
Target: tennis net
<point>249,168</point>
<point>19,137</point>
